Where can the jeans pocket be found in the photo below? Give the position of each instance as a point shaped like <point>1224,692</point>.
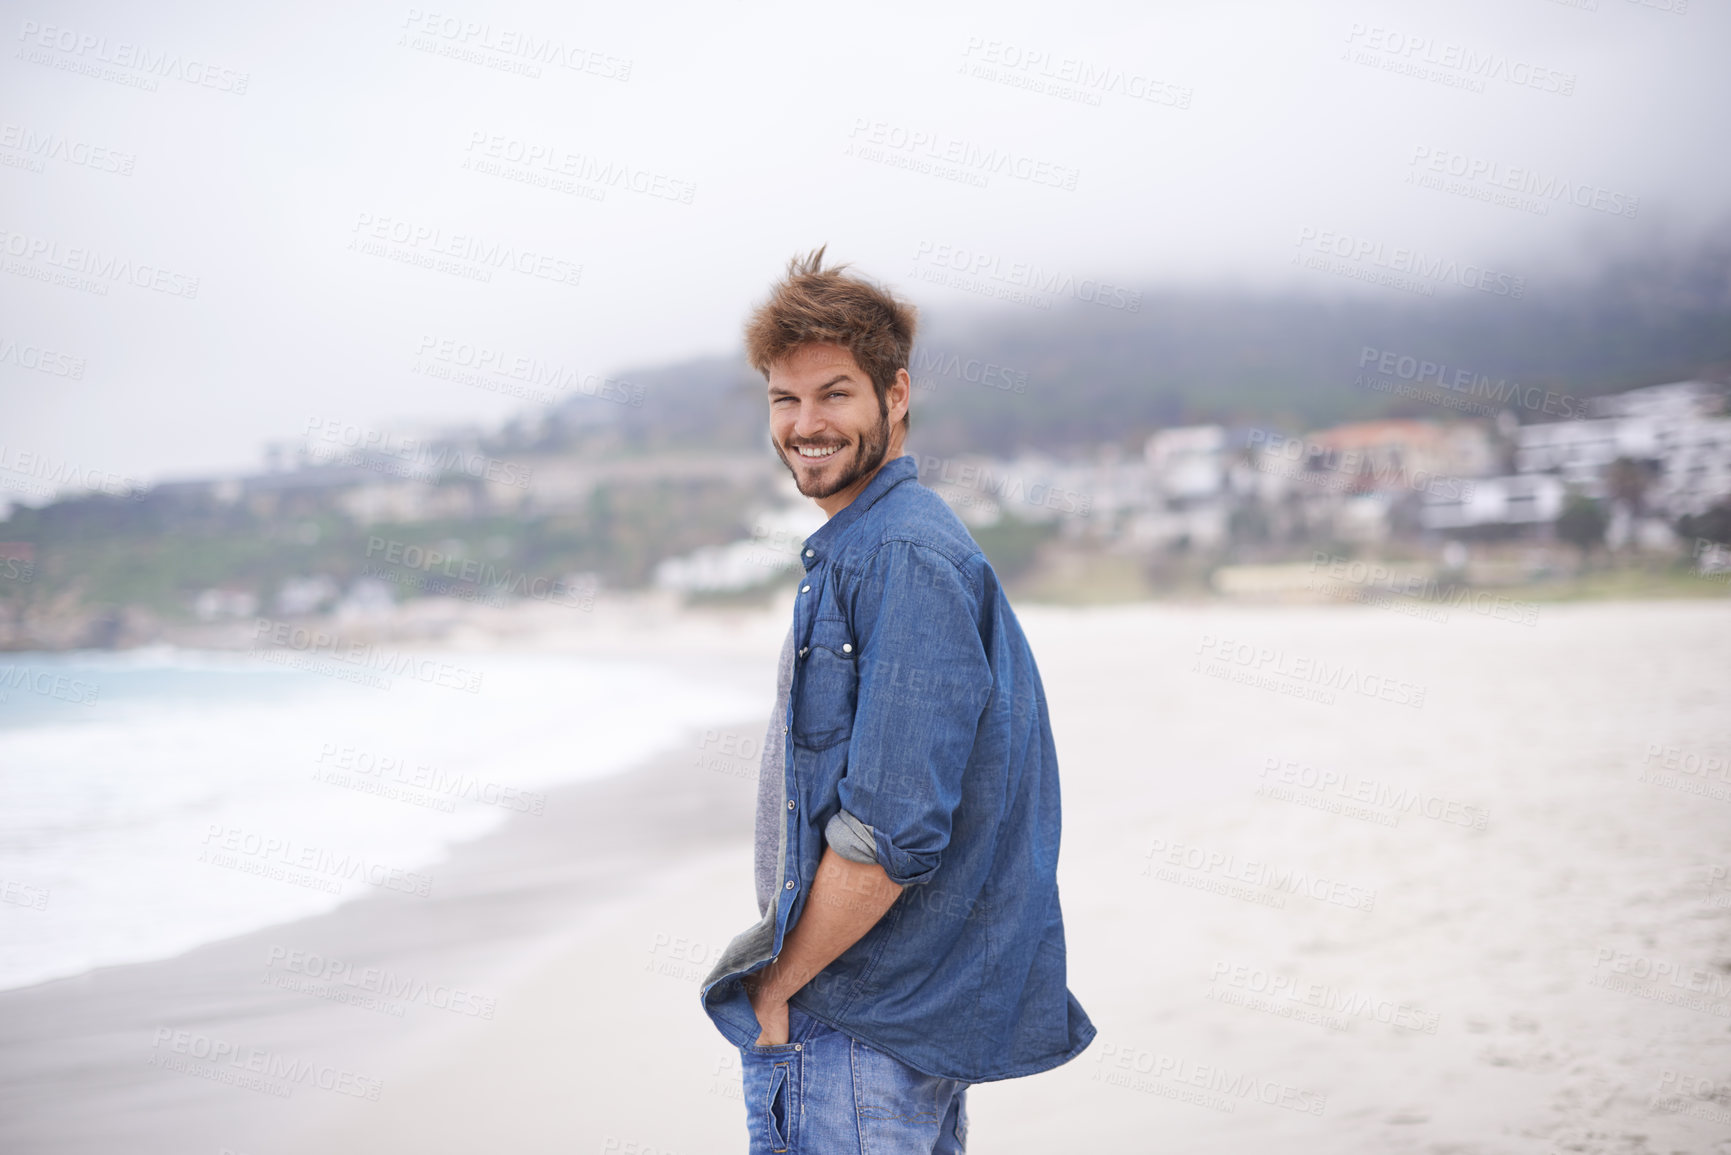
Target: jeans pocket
<point>772,1097</point>
<point>775,1109</point>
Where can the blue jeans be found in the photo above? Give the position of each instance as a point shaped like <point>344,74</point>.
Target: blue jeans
<point>824,1093</point>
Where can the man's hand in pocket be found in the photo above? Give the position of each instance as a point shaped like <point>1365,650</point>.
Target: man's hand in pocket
<point>771,1011</point>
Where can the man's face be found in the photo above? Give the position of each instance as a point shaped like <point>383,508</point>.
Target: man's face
<point>826,424</point>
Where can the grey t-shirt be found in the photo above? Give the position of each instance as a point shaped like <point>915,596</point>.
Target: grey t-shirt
<point>771,785</point>
<point>846,835</point>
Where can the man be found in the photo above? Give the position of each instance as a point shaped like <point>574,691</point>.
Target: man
<point>907,824</point>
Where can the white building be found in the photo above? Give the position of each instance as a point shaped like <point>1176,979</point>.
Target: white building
<point>1527,499</point>
<point>1581,452</point>
<point>1189,463</point>
<point>1675,430</point>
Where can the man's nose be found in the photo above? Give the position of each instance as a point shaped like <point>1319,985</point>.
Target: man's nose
<point>810,422</point>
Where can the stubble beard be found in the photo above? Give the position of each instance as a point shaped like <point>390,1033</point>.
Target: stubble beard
<point>872,449</point>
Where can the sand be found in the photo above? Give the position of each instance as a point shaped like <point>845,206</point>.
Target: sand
<point>1442,912</point>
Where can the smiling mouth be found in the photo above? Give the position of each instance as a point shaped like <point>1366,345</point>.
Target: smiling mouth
<point>818,453</point>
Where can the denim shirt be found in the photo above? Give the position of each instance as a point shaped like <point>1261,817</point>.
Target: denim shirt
<point>917,737</point>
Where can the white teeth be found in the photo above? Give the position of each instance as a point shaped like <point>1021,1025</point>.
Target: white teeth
<point>805,452</point>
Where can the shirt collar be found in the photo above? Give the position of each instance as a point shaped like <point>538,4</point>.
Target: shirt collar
<point>889,475</point>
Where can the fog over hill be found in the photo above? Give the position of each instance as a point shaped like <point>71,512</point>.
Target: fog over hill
<point>1078,375</point>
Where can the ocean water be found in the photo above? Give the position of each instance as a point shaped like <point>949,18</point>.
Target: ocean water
<point>159,799</point>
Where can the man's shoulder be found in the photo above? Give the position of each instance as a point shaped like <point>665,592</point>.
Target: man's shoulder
<point>912,515</point>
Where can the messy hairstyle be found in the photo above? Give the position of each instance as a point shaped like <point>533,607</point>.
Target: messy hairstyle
<point>814,305</point>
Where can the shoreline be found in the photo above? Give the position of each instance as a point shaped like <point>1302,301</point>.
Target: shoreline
<point>312,1013</point>
<point>614,619</point>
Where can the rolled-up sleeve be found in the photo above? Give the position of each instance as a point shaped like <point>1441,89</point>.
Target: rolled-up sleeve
<point>851,838</point>
<point>924,680</point>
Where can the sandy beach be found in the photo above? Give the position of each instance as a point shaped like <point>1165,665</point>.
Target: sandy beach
<point>1336,879</point>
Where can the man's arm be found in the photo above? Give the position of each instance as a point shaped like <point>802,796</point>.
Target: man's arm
<point>846,900</point>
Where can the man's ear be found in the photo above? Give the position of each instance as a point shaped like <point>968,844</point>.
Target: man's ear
<point>900,396</point>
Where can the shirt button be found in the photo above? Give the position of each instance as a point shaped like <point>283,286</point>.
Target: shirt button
<point>847,647</point>
<point>810,553</point>
<point>790,884</point>
<point>790,804</point>
<point>805,589</point>
<point>802,650</point>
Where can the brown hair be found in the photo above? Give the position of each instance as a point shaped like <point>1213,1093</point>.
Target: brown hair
<point>814,305</point>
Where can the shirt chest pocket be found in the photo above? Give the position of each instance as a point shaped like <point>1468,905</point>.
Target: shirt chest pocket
<point>826,686</point>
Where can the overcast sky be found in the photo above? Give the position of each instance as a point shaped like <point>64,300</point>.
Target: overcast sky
<point>224,221</point>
